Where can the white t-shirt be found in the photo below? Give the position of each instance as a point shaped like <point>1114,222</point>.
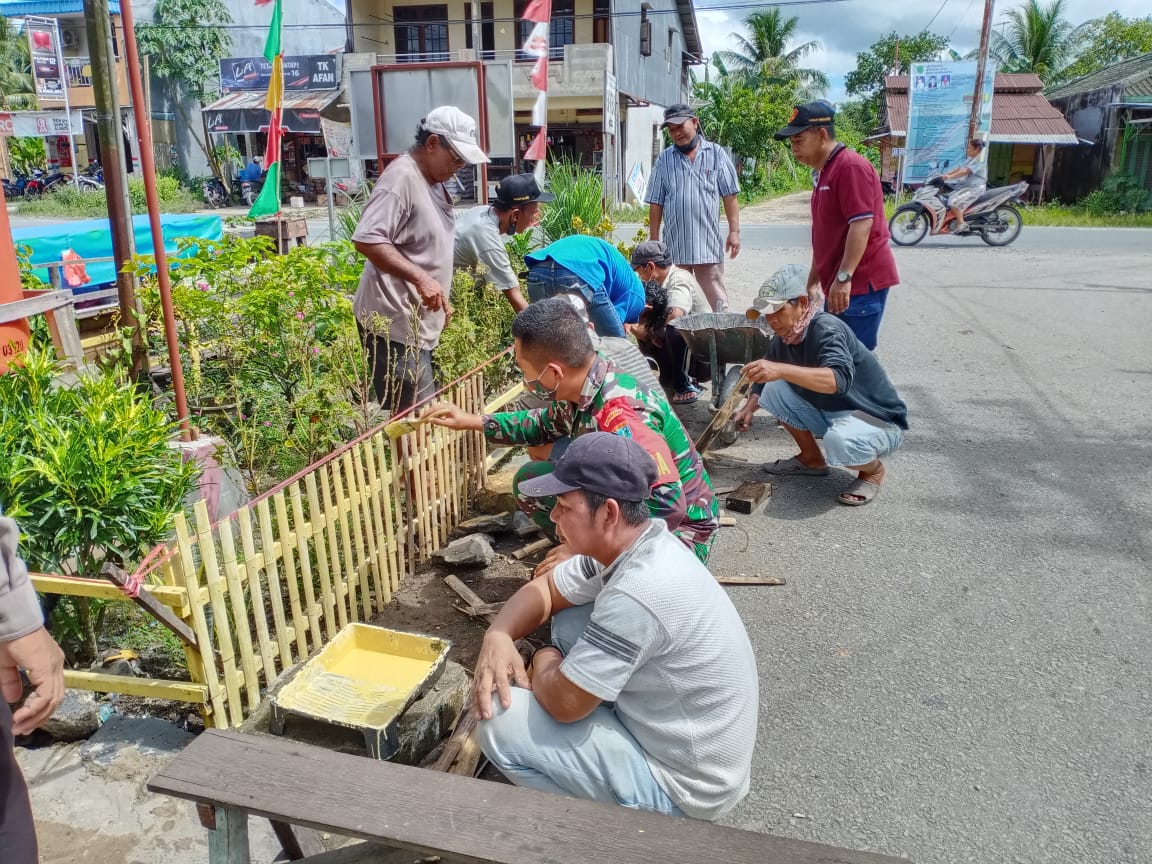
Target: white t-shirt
<point>684,292</point>
<point>667,646</point>
<point>478,241</point>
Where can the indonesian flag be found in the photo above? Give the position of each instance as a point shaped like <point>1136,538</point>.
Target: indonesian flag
<point>268,204</point>
<point>538,149</point>
<point>539,11</point>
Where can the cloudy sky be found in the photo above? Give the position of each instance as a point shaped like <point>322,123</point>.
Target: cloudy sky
<point>847,27</point>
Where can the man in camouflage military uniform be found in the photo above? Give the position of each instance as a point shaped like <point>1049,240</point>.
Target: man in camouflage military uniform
<point>588,394</point>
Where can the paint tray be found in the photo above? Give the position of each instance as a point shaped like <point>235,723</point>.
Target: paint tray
<point>364,679</point>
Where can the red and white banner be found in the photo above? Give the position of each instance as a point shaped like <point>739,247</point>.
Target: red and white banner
<point>539,13</point>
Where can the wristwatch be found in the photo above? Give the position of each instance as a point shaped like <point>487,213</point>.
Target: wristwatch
<point>843,276</point>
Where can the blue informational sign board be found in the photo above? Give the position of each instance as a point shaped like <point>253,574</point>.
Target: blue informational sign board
<point>940,105</point>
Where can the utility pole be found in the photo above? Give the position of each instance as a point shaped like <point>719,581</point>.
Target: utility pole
<point>978,95</point>
<point>111,137</point>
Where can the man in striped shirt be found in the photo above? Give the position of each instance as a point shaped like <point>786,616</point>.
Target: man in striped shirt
<point>689,180</point>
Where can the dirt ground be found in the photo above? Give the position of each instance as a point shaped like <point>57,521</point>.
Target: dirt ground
<point>786,208</point>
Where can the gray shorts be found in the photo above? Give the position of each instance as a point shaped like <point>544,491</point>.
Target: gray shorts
<point>962,199</point>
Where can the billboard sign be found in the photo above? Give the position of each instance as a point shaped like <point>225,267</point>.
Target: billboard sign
<point>940,105</point>
<point>308,72</point>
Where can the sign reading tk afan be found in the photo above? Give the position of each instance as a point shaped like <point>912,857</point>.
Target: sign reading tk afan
<point>940,105</point>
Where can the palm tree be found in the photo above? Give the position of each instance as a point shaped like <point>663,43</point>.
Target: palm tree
<point>764,55</point>
<point>1037,38</point>
<point>16,85</point>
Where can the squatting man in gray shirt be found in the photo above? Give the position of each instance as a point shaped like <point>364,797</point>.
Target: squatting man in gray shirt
<point>647,696</point>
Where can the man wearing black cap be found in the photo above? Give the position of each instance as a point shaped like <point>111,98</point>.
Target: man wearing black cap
<point>852,263</point>
<point>480,232</point>
<point>647,696</point>
<point>689,180</point>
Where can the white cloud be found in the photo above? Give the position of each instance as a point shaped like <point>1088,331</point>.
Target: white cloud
<point>848,27</point>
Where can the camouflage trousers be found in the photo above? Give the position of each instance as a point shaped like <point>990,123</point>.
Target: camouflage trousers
<point>539,510</point>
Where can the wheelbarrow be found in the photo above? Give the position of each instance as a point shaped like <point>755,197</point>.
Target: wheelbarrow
<point>726,341</point>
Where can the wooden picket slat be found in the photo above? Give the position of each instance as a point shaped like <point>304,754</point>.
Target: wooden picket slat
<point>373,527</point>
<point>348,562</point>
<point>272,577</point>
<point>188,573</point>
<point>318,534</point>
<point>338,582</point>
<point>290,577</point>
<point>239,609</point>
<point>361,560</point>
<point>256,592</point>
<point>303,534</point>
<point>215,582</point>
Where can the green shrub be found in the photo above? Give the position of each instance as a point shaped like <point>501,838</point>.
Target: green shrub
<point>481,327</point>
<point>1119,193</point>
<point>67,200</point>
<point>579,201</point>
<point>88,473</point>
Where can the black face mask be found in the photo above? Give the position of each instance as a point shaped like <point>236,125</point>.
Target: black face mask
<point>690,146</point>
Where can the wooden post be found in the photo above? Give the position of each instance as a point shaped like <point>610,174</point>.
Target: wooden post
<point>111,136</point>
<point>227,835</point>
<point>981,62</point>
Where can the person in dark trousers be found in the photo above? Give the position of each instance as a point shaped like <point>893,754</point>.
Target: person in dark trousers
<point>26,645</point>
<point>852,262</point>
<point>820,382</point>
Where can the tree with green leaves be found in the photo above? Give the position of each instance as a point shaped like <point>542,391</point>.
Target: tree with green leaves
<point>765,55</point>
<point>891,52</point>
<point>1106,41</point>
<point>185,43</point>
<point>1038,38</point>
<point>17,91</point>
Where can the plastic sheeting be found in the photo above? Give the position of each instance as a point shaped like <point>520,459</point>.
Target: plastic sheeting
<point>92,238</point>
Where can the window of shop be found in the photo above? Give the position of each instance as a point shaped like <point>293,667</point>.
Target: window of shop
<point>421,33</point>
<point>601,21</point>
<point>487,30</point>
<point>562,29</point>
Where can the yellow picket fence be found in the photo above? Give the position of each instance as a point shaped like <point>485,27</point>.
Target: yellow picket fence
<point>265,587</point>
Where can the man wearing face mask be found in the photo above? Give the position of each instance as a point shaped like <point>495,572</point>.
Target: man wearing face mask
<point>480,233</point>
<point>588,393</point>
<point>689,180</point>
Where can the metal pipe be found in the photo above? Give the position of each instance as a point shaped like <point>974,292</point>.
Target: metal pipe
<point>148,169</point>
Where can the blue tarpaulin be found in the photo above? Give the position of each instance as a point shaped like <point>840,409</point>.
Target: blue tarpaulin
<point>92,238</point>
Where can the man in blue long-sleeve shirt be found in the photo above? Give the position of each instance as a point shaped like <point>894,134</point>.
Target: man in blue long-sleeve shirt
<point>595,270</point>
<point>821,382</point>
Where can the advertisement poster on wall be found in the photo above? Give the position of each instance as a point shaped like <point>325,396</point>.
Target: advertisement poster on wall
<point>45,61</point>
<point>940,105</point>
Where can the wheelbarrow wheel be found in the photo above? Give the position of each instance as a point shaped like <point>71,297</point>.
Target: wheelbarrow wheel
<point>729,433</point>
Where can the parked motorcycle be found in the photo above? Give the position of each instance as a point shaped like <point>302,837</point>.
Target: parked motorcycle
<point>215,193</point>
<point>14,188</point>
<point>993,216</point>
<point>91,179</point>
<point>42,182</point>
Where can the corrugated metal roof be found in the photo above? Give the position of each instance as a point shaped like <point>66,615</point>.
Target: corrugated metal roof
<point>24,8</point>
<point>1020,113</point>
<point>1135,74</point>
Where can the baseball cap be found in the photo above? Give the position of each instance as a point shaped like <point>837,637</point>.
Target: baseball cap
<point>458,128</point>
<point>806,116</point>
<point>676,114</point>
<point>787,283</point>
<point>521,189</point>
<point>610,465</point>
<point>651,252</point>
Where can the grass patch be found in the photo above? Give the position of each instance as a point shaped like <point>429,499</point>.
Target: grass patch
<point>70,202</point>
<point>629,213</point>
<point>1064,216</point>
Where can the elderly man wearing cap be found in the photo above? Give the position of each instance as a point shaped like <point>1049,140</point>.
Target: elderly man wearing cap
<point>594,269</point>
<point>689,180</point>
<point>647,696</point>
<point>406,233</point>
<point>671,293</point>
<point>480,231</point>
<point>852,263</point>
<point>585,392</point>
<point>821,382</point>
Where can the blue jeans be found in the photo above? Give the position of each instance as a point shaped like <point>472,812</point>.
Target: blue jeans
<point>595,758</point>
<point>850,438</point>
<point>863,316</point>
<point>547,279</point>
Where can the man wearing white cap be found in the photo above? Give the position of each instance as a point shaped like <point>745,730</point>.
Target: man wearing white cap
<point>406,232</point>
<point>821,382</point>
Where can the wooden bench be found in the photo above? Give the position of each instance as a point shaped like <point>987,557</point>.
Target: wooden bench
<point>231,776</point>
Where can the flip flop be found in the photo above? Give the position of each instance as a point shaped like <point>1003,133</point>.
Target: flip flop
<point>686,397</point>
<point>793,467</point>
<point>867,491</point>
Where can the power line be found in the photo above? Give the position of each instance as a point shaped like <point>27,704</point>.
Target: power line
<point>960,20</point>
<point>934,17</point>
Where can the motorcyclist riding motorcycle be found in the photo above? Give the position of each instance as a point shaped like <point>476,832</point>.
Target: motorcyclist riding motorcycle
<point>968,183</point>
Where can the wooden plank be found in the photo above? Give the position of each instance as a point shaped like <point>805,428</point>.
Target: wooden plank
<point>378,478</point>
<point>149,604</point>
<point>34,303</point>
<point>272,574</point>
<point>748,496</point>
<point>291,579</point>
<point>503,399</point>
<point>153,688</point>
<point>239,608</point>
<point>348,568</point>
<point>303,534</point>
<point>436,813</point>
<point>373,527</point>
<point>65,335</point>
<point>172,596</point>
<point>316,517</point>
<point>721,418</point>
<point>356,516</point>
<point>454,748</point>
<point>750,580</point>
<point>532,548</point>
<point>189,573</point>
<point>728,521</point>
<point>215,582</point>
<point>481,611</point>
<point>467,594</point>
<point>339,583</point>
<point>396,527</point>
<point>256,592</point>
<point>228,839</point>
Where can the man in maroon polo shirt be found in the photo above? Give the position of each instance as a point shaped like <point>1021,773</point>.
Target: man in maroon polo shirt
<point>852,263</point>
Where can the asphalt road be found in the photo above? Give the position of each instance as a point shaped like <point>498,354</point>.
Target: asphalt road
<point>960,671</point>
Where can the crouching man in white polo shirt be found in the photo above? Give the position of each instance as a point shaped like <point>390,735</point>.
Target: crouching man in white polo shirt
<point>648,695</point>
